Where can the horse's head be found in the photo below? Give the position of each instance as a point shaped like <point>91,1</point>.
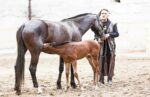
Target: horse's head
<point>96,27</point>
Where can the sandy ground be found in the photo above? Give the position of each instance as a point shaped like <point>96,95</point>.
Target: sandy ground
<point>132,78</point>
<point>132,75</point>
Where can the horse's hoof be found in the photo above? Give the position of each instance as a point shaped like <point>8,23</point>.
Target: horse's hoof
<point>110,82</point>
<point>18,92</point>
<point>59,87</point>
<point>15,88</point>
<point>73,85</point>
<point>81,88</point>
<point>96,87</point>
<point>66,89</point>
<point>102,81</point>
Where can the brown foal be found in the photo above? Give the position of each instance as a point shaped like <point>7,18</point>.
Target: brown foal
<point>72,51</point>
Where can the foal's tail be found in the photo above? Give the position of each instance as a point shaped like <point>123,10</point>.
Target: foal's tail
<point>19,67</point>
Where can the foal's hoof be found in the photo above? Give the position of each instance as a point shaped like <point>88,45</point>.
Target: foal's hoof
<point>82,88</point>
<point>73,85</point>
<point>40,91</point>
<point>66,88</point>
<point>96,87</point>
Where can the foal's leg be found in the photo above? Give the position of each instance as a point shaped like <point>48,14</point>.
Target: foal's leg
<point>61,69</point>
<point>67,76</point>
<point>91,63</point>
<point>96,69</point>
<point>74,65</point>
<point>33,67</point>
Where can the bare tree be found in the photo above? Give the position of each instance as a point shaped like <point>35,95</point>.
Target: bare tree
<point>118,1</point>
<point>29,10</point>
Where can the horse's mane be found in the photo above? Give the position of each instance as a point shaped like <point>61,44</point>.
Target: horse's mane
<point>84,14</point>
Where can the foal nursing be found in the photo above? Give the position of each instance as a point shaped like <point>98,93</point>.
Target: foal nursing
<point>72,51</point>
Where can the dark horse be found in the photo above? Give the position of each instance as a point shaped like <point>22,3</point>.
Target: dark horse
<point>33,34</point>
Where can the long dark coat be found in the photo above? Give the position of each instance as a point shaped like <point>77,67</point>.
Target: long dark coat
<point>107,53</point>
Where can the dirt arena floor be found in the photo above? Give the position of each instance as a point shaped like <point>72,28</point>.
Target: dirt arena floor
<point>132,78</point>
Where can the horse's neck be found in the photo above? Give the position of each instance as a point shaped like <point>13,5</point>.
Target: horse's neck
<point>84,25</point>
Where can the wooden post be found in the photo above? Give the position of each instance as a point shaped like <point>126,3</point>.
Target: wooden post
<point>29,10</point>
<point>118,1</point>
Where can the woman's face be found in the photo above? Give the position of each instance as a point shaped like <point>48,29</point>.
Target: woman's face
<point>104,15</point>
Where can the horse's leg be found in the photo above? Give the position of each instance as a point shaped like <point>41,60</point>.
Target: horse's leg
<point>101,79</point>
<point>33,67</point>
<point>61,69</point>
<point>74,65</point>
<point>73,84</point>
<point>67,76</point>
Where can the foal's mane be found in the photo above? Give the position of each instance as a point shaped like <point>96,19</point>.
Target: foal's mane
<point>80,15</point>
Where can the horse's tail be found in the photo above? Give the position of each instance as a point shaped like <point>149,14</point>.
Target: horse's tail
<point>21,49</point>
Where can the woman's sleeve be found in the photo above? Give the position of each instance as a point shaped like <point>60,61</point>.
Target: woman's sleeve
<point>115,32</point>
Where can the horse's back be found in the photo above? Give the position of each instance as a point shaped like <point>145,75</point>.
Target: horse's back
<point>62,31</point>
<point>34,26</point>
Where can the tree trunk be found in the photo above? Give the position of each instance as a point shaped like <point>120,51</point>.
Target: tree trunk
<point>118,1</point>
<point>29,10</point>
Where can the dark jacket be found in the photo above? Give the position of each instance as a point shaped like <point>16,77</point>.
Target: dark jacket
<point>107,53</point>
